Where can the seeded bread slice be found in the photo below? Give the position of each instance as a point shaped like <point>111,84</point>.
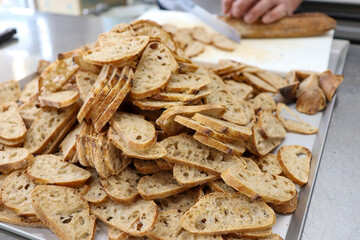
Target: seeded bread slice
<point>29,112</point>
<point>153,71</point>
<point>95,193</point>
<point>15,158</point>
<point>270,125</point>
<point>9,91</point>
<point>114,105</point>
<point>15,194</point>
<point>237,147</point>
<point>146,166</point>
<point>270,188</point>
<point>134,130</point>
<point>30,89</point>
<point>126,49</point>
<point>9,216</point>
<point>64,212</point>
<point>122,188</point>
<point>50,169</point>
<point>68,145</point>
<point>156,151</point>
<point>135,219</point>
<point>168,227</point>
<point>189,176</point>
<point>225,127</point>
<point>159,185</point>
<point>295,161</point>
<point>270,164</point>
<point>286,116</point>
<point>49,123</point>
<point>221,213</point>
<point>168,125</point>
<point>187,83</point>
<point>185,150</point>
<point>59,99</point>
<point>12,127</point>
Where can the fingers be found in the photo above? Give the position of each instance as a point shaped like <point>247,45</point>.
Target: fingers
<point>226,6</point>
<point>258,10</point>
<point>239,7</point>
<point>274,14</point>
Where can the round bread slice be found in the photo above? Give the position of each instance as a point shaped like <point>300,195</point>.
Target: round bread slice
<point>50,169</point>
<point>64,212</point>
<point>270,164</point>
<point>200,34</point>
<point>223,43</point>
<point>12,127</point>
<point>134,130</point>
<point>9,91</point>
<point>95,193</point>
<point>295,161</point>
<point>222,213</point>
<point>15,158</point>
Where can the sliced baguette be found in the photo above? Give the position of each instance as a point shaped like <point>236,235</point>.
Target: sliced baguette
<point>272,79</point>
<point>84,82</point>
<point>295,161</point>
<point>220,186</point>
<point>187,83</point>
<point>194,48</point>
<point>98,146</point>
<point>164,165</point>
<point>12,127</point>
<point>263,101</point>
<point>153,71</point>
<point>64,212</point>
<point>286,207</point>
<point>9,216</point>
<point>270,164</point>
<point>59,99</point>
<point>29,112</point>
<point>258,83</point>
<point>9,91</point>
<point>135,219</point>
<point>30,89</point>
<point>270,188</point>
<point>154,104</point>
<point>181,201</point>
<point>168,125</point>
<point>270,125</point>
<point>200,34</point>
<point>134,130</point>
<point>264,145</point>
<point>146,166</point>
<point>240,91</point>
<point>189,176</point>
<point>185,150</point>
<point>116,234</point>
<point>50,169</point>
<point>156,151</point>
<point>122,188</point>
<point>68,145</point>
<point>95,193</point>
<point>222,213</point>
<point>15,158</point>
<point>182,97</point>
<point>159,185</point>
<point>222,42</point>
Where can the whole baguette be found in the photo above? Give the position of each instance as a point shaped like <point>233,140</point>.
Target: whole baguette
<point>297,25</point>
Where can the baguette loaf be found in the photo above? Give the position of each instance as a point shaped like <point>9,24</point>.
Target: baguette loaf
<point>64,212</point>
<point>295,161</point>
<point>15,158</point>
<point>135,219</point>
<point>271,188</point>
<point>134,130</point>
<point>50,169</point>
<point>189,176</point>
<point>122,188</point>
<point>222,213</point>
<point>159,185</point>
<point>12,127</point>
<point>9,91</point>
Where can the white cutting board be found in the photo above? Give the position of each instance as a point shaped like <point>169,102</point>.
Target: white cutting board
<point>278,55</point>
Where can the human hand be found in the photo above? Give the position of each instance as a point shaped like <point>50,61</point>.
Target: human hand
<point>267,10</point>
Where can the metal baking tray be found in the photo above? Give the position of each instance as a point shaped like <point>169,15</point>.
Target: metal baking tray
<point>288,226</point>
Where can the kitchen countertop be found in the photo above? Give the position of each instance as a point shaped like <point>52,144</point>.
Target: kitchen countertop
<point>334,208</point>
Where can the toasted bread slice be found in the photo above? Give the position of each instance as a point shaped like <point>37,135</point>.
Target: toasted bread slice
<point>194,48</point>
<point>30,89</point>
<point>15,194</point>
<point>50,169</point>
<point>59,99</point>
<point>181,201</point>
<point>64,212</point>
<point>164,165</point>
<point>286,116</point>
<point>263,101</point>
<point>264,145</point>
<point>156,151</point>
<point>168,125</point>
<point>311,100</point>
<point>240,91</point>
<point>29,112</point>
<point>135,219</point>
<point>189,176</point>
<point>68,145</point>
<point>95,193</point>
<point>116,234</point>
<point>329,82</point>
<point>114,159</point>
<point>9,216</point>
<point>154,104</point>
<point>295,161</point>
<point>134,130</point>
<point>9,91</point>
<point>220,186</point>
<point>231,129</point>
<point>286,207</point>
<point>270,188</point>
<point>15,158</point>
<point>258,83</point>
<point>12,127</point>
<point>207,216</point>
<point>237,147</point>
<point>98,146</point>
<point>146,166</point>
<point>200,34</point>
<point>159,185</point>
<point>272,79</point>
<point>270,125</point>
<point>121,28</point>
<point>270,164</point>
<point>187,83</point>
<point>182,97</point>
<point>222,42</point>
<point>153,71</point>
<point>84,82</point>
<point>185,150</point>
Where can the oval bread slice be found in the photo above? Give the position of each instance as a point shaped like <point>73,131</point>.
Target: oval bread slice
<point>12,127</point>
<point>64,212</point>
<point>95,193</point>
<point>189,176</point>
<point>59,99</point>
<point>50,169</point>
<point>222,213</point>
<point>15,158</point>
<point>134,130</point>
<point>9,91</point>
<point>295,161</point>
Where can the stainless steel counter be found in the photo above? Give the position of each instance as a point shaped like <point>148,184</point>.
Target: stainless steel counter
<point>334,208</point>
